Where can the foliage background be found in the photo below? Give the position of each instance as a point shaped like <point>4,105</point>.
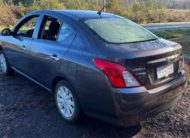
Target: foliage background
<point>140,11</point>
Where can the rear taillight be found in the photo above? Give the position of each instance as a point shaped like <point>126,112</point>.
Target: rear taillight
<point>117,74</point>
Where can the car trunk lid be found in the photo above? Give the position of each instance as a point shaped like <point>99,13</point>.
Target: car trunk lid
<point>145,59</point>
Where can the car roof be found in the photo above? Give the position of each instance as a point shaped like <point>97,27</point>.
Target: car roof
<point>76,14</point>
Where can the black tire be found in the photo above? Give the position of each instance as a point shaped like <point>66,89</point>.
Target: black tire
<point>8,70</point>
<point>77,112</point>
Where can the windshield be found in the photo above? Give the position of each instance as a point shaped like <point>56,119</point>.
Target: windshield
<point>119,30</point>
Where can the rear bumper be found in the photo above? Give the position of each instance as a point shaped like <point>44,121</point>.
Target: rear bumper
<point>133,105</point>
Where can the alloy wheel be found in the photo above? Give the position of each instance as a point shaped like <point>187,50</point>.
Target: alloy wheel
<point>65,102</point>
<point>3,63</point>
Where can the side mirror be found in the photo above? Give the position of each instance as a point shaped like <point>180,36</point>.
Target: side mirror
<point>6,32</point>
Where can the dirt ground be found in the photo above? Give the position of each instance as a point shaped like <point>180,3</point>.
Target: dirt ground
<point>27,110</point>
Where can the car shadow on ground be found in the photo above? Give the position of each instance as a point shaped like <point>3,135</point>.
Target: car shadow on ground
<point>28,110</point>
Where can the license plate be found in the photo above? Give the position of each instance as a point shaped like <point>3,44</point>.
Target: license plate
<point>165,71</point>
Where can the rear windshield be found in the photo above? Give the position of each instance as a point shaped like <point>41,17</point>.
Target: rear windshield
<point>119,30</point>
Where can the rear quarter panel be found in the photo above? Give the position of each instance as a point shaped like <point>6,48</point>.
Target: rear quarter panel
<point>90,84</point>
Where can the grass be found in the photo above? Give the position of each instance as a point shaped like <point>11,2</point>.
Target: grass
<point>1,27</point>
<point>177,33</point>
<point>166,23</point>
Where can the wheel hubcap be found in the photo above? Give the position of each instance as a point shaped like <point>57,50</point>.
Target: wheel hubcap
<point>65,102</point>
<point>3,63</point>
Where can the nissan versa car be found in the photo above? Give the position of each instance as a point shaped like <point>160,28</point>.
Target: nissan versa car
<point>100,64</point>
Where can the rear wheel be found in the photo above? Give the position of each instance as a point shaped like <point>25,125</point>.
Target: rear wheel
<point>4,67</point>
<point>67,102</point>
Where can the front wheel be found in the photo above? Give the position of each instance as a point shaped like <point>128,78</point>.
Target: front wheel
<point>67,102</point>
<point>4,67</point>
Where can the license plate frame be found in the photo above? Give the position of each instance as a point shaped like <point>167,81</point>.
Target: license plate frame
<point>164,71</point>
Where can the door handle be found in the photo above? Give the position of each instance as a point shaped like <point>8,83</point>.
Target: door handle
<point>54,57</point>
<point>24,47</point>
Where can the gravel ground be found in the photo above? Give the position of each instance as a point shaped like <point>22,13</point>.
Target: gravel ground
<point>29,111</point>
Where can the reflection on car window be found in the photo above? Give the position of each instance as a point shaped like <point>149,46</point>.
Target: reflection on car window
<point>65,32</point>
<point>27,29</point>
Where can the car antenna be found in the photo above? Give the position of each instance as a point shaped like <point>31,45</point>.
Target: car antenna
<point>100,11</point>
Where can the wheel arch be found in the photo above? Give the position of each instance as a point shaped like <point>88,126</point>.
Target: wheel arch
<point>58,78</point>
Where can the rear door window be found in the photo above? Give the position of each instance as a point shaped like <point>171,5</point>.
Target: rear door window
<point>50,29</point>
<point>65,32</point>
<point>55,30</point>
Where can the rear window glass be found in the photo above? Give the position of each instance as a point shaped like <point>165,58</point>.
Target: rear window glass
<point>119,30</point>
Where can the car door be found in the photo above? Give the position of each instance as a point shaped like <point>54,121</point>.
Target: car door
<point>46,51</point>
<point>16,45</point>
